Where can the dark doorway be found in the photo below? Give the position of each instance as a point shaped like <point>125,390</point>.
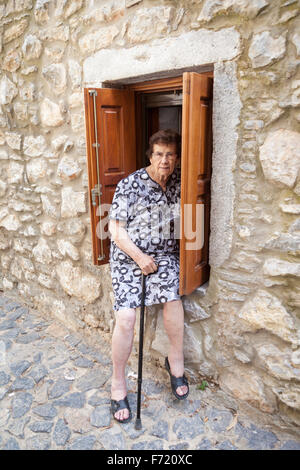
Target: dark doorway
<point>160,111</point>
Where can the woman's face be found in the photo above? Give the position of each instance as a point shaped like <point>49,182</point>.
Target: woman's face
<point>163,159</point>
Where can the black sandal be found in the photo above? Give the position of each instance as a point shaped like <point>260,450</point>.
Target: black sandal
<point>177,382</point>
<point>117,405</point>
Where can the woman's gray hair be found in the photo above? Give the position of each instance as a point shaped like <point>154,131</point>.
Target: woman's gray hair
<point>168,136</point>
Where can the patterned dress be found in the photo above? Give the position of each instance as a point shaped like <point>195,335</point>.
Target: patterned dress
<point>152,221</point>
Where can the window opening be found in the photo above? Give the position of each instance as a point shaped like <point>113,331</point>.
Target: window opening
<point>160,111</point>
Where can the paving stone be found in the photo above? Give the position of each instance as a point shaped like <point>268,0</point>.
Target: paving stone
<point>21,404</point>
<point>61,433</point>
<point>83,362</point>
<point>205,444</point>
<point>226,445</point>
<point>23,310</point>
<point>16,426</point>
<point>73,340</point>
<point>38,443</point>
<point>257,439</point>
<point>16,314</point>
<point>41,426</point>
<point>181,446</point>
<point>82,443</point>
<point>218,420</point>
<point>97,399</point>
<point>10,306</point>
<point>188,427</point>
<point>38,373</point>
<point>22,383</point>
<point>74,400</point>
<point>291,445</point>
<point>149,445</point>
<point>38,357</point>
<point>84,349</point>
<point>18,368</point>
<point>4,416</point>
<point>28,338</point>
<point>3,392</point>
<point>78,420</point>
<point>6,342</point>
<point>161,430</point>
<point>112,439</point>
<point>61,387</point>
<point>97,356</point>
<point>11,333</point>
<point>56,365</point>
<point>92,379</point>
<point>11,444</point>
<point>4,378</point>
<point>152,388</point>
<point>101,416</point>
<point>46,411</point>
<point>130,430</point>
<point>7,324</point>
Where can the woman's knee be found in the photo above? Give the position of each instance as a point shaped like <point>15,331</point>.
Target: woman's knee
<point>125,319</point>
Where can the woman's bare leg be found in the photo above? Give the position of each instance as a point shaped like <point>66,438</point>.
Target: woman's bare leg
<point>173,315</point>
<point>122,341</point>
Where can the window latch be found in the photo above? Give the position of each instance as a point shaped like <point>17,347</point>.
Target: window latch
<point>96,191</point>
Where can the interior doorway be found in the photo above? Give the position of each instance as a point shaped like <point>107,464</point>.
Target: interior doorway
<point>160,111</point>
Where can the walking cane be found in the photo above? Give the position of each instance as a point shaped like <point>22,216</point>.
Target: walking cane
<point>138,422</point>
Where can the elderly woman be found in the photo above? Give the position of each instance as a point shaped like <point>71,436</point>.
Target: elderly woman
<point>143,240</point>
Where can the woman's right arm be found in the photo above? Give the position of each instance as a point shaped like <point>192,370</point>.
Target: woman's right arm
<point>123,241</point>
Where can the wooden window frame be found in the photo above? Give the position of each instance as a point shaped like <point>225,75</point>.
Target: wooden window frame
<point>138,89</point>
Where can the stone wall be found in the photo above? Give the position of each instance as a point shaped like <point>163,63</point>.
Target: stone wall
<point>242,330</point>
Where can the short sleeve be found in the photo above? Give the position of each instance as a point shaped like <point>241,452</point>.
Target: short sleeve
<point>119,206</point>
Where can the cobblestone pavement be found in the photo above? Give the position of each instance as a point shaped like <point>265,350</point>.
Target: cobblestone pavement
<point>54,394</point>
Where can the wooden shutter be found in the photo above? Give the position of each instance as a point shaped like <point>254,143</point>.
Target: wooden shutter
<point>195,179</point>
<point>110,129</point>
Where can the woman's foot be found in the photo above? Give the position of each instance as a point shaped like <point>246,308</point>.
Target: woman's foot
<point>179,382</point>
<point>118,406</point>
<point>118,392</point>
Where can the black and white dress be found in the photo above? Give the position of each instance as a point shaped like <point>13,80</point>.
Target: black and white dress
<point>152,222</point>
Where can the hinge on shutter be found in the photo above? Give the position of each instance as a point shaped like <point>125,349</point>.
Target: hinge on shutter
<point>93,92</point>
<point>96,191</point>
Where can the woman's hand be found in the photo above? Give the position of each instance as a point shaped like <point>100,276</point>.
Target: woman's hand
<point>147,264</point>
<point>121,238</point>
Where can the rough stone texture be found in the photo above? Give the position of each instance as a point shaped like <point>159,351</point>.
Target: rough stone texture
<point>178,52</point>
<point>31,48</point>
<point>73,202</point>
<point>68,169</point>
<point>8,91</point>
<point>36,169</point>
<point>280,157</point>
<point>75,282</point>
<point>223,186</point>
<point>50,113</point>
<point>247,8</point>
<point>277,267</point>
<point>247,385</point>
<point>34,146</point>
<point>280,363</point>
<point>265,49</point>
<point>152,22</point>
